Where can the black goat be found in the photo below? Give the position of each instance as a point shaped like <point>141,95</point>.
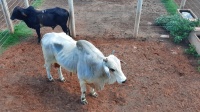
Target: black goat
<point>36,19</point>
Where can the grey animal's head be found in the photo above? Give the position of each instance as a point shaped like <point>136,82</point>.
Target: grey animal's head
<point>112,67</point>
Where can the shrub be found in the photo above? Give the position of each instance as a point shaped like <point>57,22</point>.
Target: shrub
<point>163,20</point>
<point>192,51</point>
<point>178,27</point>
<point>198,68</point>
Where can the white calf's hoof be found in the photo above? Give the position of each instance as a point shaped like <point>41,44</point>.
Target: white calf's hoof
<point>50,80</point>
<point>84,101</point>
<point>94,94</point>
<point>62,80</point>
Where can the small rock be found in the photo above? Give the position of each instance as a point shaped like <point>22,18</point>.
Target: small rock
<point>164,36</point>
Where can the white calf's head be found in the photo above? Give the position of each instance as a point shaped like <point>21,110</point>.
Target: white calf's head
<point>113,69</point>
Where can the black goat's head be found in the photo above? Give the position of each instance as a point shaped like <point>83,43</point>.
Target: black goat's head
<point>18,13</point>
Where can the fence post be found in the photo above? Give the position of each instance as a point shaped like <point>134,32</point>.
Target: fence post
<point>7,16</point>
<point>137,19</point>
<point>26,3</point>
<point>72,19</point>
<point>182,4</point>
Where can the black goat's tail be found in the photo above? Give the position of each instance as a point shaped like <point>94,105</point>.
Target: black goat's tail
<point>68,24</point>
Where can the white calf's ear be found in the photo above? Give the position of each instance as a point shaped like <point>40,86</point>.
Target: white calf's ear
<point>105,60</point>
<point>123,62</point>
<point>113,52</point>
<point>79,45</point>
<point>106,69</point>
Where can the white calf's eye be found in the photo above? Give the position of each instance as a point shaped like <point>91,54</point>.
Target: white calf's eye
<point>111,69</point>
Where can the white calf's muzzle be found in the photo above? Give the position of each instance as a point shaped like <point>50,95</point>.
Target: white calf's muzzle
<point>124,81</point>
<point>121,79</point>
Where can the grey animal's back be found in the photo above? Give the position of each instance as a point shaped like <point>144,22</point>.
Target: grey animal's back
<point>56,39</point>
<point>88,48</point>
<point>56,42</point>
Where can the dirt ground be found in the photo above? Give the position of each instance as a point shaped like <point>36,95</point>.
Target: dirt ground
<point>161,77</point>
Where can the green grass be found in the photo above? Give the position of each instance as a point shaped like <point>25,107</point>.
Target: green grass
<point>170,6</point>
<point>21,31</point>
<point>37,3</point>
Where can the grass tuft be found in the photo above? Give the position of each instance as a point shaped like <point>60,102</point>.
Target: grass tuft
<point>170,6</point>
<point>37,3</point>
<point>21,32</point>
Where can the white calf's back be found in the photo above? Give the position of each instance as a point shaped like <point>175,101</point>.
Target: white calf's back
<point>60,38</point>
<point>59,48</point>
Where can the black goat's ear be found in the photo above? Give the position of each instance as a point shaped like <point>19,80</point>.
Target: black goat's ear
<point>23,13</point>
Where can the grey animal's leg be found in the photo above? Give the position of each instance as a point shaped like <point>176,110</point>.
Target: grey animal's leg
<point>48,69</point>
<point>93,93</point>
<point>62,79</point>
<point>83,92</point>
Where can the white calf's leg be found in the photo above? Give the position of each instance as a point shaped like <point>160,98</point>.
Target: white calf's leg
<point>93,93</point>
<point>48,69</point>
<point>62,79</point>
<point>83,92</point>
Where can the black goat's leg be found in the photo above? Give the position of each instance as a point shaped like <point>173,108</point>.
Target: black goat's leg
<point>39,35</point>
<point>68,31</point>
<point>65,29</point>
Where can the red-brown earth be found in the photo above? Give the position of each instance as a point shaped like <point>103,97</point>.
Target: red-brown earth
<point>161,77</point>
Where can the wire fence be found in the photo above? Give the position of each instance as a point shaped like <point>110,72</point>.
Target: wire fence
<point>191,4</point>
<point>116,20</point>
<point>147,26</point>
<point>3,27</point>
<point>148,29</point>
<point>111,21</point>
